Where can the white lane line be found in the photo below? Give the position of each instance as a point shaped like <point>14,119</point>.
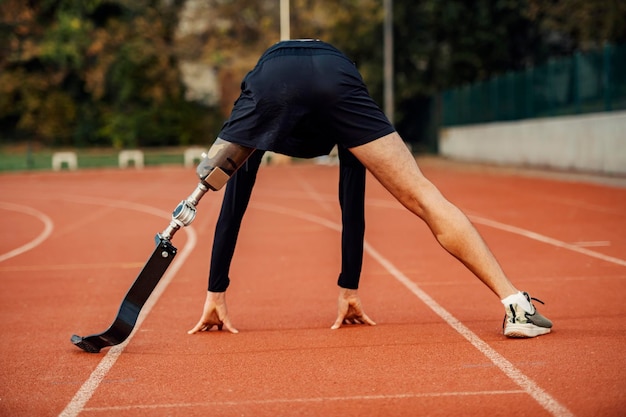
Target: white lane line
<point>89,387</point>
<point>590,244</point>
<point>68,267</point>
<point>545,239</point>
<point>313,194</point>
<point>306,400</point>
<point>528,385</point>
<point>576,246</point>
<point>47,230</point>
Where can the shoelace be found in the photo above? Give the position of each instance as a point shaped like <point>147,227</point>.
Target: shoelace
<point>536,299</point>
<point>531,299</point>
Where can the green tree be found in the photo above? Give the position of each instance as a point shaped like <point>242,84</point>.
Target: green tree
<point>106,71</point>
<point>228,36</point>
<point>570,25</point>
<point>95,72</point>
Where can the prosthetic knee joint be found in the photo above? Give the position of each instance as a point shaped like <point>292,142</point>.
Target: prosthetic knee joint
<point>214,171</point>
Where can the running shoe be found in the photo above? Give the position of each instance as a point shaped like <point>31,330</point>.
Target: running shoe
<point>520,323</point>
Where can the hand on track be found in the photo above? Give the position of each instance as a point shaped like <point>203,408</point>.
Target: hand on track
<point>349,309</point>
<point>215,314</point>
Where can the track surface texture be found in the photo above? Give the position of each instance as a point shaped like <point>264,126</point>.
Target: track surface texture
<point>73,242</point>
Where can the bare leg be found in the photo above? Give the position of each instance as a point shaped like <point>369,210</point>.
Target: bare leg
<point>390,161</point>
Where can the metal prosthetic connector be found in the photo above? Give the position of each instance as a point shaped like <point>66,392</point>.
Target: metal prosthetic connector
<point>214,171</point>
<point>184,213</point>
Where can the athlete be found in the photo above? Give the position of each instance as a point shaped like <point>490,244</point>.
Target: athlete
<point>304,97</point>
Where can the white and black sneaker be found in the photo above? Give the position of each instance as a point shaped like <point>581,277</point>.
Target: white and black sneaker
<point>521,323</point>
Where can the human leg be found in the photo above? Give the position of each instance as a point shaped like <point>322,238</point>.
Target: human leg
<point>390,161</point>
<point>221,162</point>
<point>392,164</point>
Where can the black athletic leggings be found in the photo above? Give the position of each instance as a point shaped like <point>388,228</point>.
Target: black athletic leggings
<point>236,199</point>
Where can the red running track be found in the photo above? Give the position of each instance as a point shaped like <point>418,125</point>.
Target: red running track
<point>72,243</point>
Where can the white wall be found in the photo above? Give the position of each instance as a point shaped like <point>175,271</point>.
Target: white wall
<point>590,143</point>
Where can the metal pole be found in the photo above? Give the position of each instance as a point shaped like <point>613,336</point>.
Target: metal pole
<point>388,59</point>
<point>284,20</point>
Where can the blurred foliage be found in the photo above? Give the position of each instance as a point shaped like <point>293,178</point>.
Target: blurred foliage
<point>106,72</point>
<point>579,25</point>
<point>95,72</point>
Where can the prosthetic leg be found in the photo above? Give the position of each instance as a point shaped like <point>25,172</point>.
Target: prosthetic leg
<point>223,159</point>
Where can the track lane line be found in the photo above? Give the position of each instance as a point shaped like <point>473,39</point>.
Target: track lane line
<point>89,387</point>
<point>527,384</point>
<point>574,247</point>
<point>545,239</point>
<point>47,230</point>
<point>108,265</point>
<point>306,400</point>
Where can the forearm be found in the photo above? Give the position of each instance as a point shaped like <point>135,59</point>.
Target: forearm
<point>234,205</point>
<point>352,201</point>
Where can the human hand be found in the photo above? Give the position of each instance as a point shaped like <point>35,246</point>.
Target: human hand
<point>215,314</point>
<point>349,309</point>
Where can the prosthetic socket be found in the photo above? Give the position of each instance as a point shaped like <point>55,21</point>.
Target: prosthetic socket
<point>214,171</point>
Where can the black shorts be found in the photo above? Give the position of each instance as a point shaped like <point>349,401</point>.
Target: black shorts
<point>302,98</point>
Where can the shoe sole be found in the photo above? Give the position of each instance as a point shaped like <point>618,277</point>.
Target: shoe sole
<point>524,330</point>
